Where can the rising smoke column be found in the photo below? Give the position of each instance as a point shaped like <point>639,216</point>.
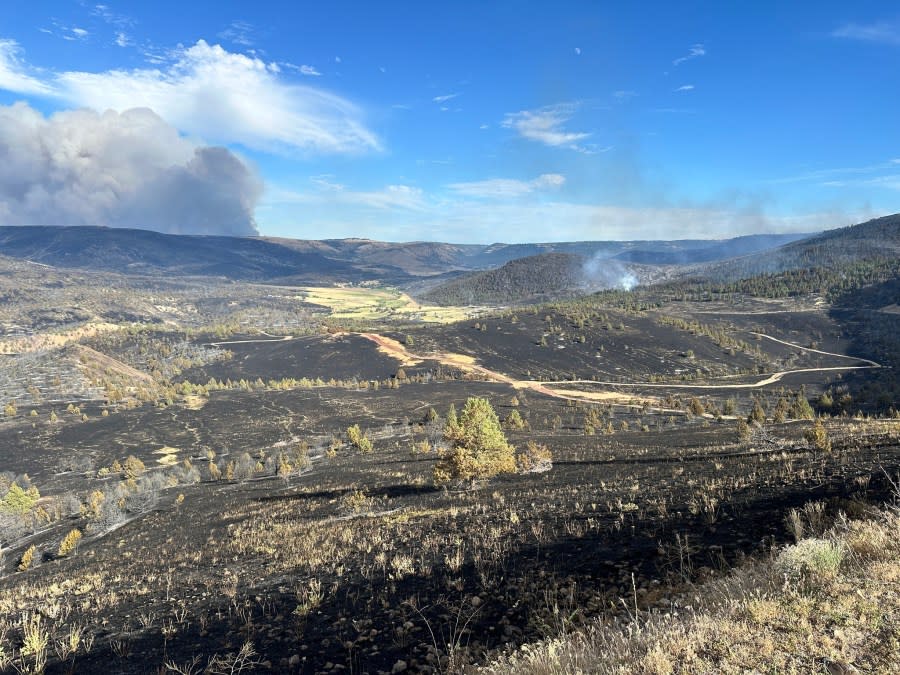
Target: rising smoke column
<point>601,271</point>
<point>131,169</point>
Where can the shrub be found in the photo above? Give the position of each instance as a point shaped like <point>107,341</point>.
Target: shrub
<point>536,458</point>
<point>69,543</point>
<point>811,558</point>
<point>696,407</point>
<point>743,430</point>
<point>818,437</point>
<point>244,469</point>
<point>422,447</point>
<point>356,502</point>
<point>18,500</point>
<point>358,439</point>
<point>133,467</point>
<point>758,414</point>
<point>26,559</point>
<point>514,421</point>
<point>478,448</point>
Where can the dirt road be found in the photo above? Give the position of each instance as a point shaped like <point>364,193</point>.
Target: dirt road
<point>467,364</point>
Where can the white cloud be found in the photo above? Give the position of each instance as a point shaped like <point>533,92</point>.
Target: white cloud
<point>623,95</point>
<point>882,31</point>
<point>122,39</point>
<point>695,51</point>
<point>685,87</point>
<point>112,18</point>
<point>444,98</point>
<point>303,69</point>
<point>578,51</point>
<point>15,75</point>
<point>337,59</point>
<point>326,182</point>
<point>119,170</point>
<point>332,195</point>
<point>505,188</point>
<point>386,215</point>
<point>239,33</point>
<point>215,94</point>
<point>79,33</point>
<point>546,125</point>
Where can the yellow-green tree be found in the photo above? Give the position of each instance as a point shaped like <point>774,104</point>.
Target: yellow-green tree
<point>477,449</point>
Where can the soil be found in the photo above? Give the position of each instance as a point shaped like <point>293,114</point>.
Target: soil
<point>356,563</point>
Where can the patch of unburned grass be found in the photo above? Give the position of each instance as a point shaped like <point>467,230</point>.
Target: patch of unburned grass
<point>169,455</point>
<point>366,304</point>
<point>829,604</point>
<point>194,402</point>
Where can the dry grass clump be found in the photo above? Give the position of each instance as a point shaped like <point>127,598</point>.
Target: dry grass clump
<point>536,458</point>
<point>827,604</point>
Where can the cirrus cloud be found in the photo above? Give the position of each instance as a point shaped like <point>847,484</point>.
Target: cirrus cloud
<point>503,188</point>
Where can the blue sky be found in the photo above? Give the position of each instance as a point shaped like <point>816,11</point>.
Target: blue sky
<point>479,121</point>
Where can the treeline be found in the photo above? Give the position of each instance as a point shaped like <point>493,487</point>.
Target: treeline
<point>834,283</point>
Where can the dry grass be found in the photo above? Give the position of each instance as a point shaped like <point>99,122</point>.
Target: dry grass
<point>368,304</point>
<point>827,605</point>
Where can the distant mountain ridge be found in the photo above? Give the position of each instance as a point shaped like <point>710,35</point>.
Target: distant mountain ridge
<point>270,259</point>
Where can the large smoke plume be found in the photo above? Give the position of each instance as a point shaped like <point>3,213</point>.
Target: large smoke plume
<point>119,170</point>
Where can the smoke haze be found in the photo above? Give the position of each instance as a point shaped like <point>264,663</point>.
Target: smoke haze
<point>601,271</point>
<point>128,169</point>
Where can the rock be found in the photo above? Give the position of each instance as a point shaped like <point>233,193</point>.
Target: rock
<point>294,660</point>
<point>399,667</point>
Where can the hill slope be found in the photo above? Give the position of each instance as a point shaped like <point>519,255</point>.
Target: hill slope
<point>146,252</point>
<point>874,240</point>
<point>530,279</point>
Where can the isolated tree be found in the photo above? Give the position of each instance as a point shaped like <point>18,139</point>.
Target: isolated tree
<point>757,414</point>
<point>478,448</point>
<point>800,408</point>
